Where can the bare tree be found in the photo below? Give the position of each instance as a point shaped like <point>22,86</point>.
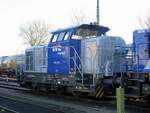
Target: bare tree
<point>78,17</point>
<point>35,32</point>
<point>145,23</point>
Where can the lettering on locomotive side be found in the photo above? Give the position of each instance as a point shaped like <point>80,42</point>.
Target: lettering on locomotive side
<point>56,49</point>
<point>56,62</point>
<point>61,53</point>
<point>60,50</point>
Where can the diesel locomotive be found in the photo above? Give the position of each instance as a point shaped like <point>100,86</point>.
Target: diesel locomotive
<point>84,60</point>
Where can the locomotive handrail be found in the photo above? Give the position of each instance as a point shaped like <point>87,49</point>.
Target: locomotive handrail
<point>76,54</point>
<point>75,63</point>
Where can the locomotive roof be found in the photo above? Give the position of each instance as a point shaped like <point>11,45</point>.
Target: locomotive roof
<point>36,46</point>
<point>142,30</point>
<point>101,29</point>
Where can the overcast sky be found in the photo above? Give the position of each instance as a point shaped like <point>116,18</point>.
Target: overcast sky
<point>120,15</point>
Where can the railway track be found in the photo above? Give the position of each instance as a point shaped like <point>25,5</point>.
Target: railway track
<point>15,106</point>
<point>7,79</point>
<point>13,86</point>
<point>6,110</point>
<point>138,106</point>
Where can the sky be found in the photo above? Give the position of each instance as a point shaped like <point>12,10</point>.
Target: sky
<point>121,16</point>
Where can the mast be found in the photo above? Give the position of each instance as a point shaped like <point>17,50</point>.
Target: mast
<point>97,15</point>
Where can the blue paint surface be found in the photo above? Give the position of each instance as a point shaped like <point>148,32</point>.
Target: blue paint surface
<point>140,49</point>
<point>59,56</point>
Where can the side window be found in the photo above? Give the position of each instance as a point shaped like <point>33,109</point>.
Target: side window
<point>76,37</point>
<point>66,36</point>
<point>61,36</point>
<point>55,37</point>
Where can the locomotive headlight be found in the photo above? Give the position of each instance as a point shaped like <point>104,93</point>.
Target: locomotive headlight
<point>58,82</point>
<point>146,89</point>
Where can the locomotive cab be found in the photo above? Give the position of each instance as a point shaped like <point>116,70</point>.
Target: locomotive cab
<point>65,63</point>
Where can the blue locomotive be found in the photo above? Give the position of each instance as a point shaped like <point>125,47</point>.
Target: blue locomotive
<point>83,59</point>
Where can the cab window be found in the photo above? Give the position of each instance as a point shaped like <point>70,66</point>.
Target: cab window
<point>61,36</point>
<point>66,36</point>
<point>54,39</point>
<point>84,33</point>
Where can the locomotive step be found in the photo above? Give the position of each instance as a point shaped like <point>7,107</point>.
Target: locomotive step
<point>133,87</point>
<point>134,79</point>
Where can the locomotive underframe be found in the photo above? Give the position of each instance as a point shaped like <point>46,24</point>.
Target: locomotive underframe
<point>71,83</point>
<point>105,86</point>
<point>138,84</point>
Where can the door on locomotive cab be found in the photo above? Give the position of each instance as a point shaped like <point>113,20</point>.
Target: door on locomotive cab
<point>57,53</point>
<point>61,50</point>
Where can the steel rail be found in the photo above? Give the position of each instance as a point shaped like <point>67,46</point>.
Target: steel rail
<point>139,106</point>
<point>7,109</point>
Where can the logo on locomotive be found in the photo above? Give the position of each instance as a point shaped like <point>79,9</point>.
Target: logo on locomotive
<point>60,50</point>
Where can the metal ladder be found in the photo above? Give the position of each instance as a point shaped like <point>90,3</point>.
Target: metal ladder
<point>76,58</point>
